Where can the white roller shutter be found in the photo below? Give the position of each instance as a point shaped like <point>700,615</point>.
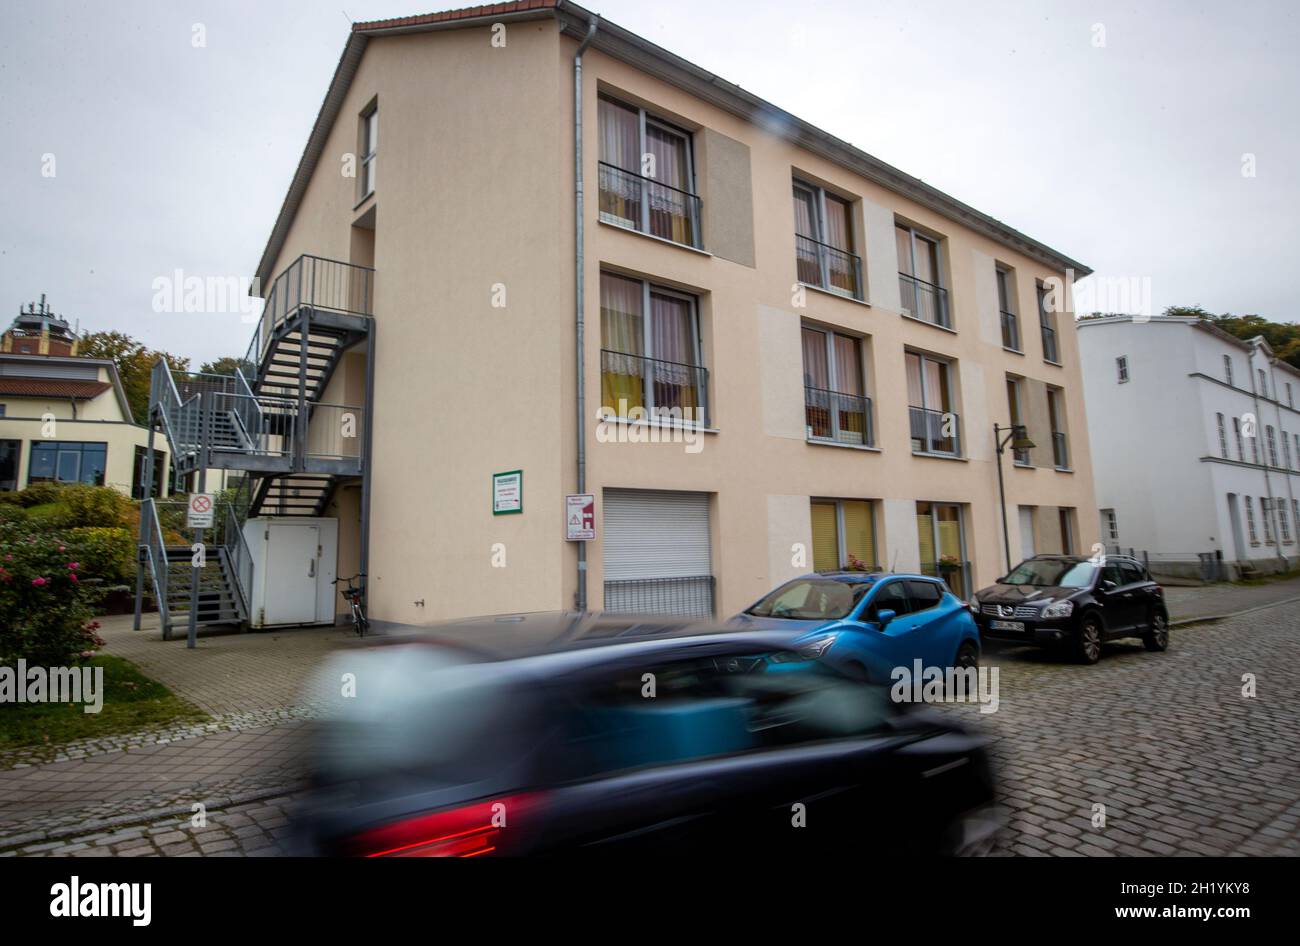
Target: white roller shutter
<point>651,536</point>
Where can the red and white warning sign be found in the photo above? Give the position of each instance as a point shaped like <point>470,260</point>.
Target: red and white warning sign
<point>579,517</point>
<point>201,511</point>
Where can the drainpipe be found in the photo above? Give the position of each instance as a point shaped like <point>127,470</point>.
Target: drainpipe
<point>1271,519</point>
<point>579,263</point>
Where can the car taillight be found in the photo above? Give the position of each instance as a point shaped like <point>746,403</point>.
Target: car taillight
<point>467,831</point>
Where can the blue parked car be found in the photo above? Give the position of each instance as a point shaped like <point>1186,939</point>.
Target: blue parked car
<point>866,624</point>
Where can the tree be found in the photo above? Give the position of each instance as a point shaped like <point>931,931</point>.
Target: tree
<point>225,365</point>
<point>134,365</point>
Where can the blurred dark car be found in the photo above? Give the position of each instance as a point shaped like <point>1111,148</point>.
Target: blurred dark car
<point>1067,601</point>
<point>560,734</point>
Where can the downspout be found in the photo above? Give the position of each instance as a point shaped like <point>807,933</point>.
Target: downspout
<point>579,263</point>
<point>1271,519</point>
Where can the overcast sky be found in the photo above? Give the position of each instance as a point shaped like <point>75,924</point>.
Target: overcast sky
<point>1113,132</point>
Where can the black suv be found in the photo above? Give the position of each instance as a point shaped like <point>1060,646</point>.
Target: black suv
<point>1075,602</point>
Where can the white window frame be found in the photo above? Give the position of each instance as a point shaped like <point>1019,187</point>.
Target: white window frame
<point>1227,369</point>
<point>644,121</point>
<point>832,368</point>
<point>1112,525</point>
<point>1241,446</point>
<point>1271,434</point>
<point>925,400</point>
<point>1121,368</point>
<point>1250,522</point>
<point>1002,277</point>
<point>369,149</point>
<point>1223,437</point>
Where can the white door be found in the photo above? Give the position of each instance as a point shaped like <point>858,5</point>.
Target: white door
<point>292,572</point>
<point>1026,532</point>
<point>657,555</point>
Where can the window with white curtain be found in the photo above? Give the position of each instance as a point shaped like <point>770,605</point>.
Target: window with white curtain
<point>836,406</point>
<point>824,245</point>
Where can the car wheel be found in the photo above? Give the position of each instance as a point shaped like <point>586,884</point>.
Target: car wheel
<point>968,655</point>
<point>1157,637</point>
<point>1087,645</point>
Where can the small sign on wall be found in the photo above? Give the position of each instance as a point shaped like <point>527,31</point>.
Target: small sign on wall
<point>507,492</point>
<point>580,517</point>
<point>201,511</point>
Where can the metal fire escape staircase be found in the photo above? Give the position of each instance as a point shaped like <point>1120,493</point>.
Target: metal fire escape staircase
<point>266,420</point>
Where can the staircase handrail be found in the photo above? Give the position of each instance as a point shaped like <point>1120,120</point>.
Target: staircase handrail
<point>155,549</point>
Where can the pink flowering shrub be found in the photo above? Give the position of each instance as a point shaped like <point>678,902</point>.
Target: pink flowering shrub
<point>46,608</point>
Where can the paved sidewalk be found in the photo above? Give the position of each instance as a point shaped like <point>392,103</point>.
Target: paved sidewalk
<point>1224,599</point>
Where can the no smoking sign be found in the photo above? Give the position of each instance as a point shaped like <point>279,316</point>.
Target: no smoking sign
<point>199,514</point>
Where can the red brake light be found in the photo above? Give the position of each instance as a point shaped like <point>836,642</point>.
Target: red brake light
<point>467,831</point>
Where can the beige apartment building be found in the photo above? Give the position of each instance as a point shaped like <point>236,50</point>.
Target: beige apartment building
<point>793,355</point>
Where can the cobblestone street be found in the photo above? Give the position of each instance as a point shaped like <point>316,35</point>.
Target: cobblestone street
<point>1182,762</point>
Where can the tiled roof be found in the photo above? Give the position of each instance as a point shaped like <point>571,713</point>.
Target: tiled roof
<point>465,13</point>
<point>52,387</point>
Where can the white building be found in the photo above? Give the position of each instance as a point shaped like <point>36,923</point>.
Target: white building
<point>1196,443</point>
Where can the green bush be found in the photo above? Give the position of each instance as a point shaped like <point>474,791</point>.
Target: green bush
<point>47,517</point>
<point>94,506</point>
<point>46,610</point>
<point>108,554</point>
<point>38,494</point>
<point>11,514</point>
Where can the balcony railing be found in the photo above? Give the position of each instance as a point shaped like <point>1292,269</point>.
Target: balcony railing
<point>1060,450</point>
<point>649,206</point>
<point>955,574</point>
<point>838,417</point>
<point>937,432</point>
<point>324,285</point>
<point>827,267</point>
<point>925,301</point>
<point>1010,331</point>
<point>1049,344</point>
<point>661,389</point>
<point>684,597</point>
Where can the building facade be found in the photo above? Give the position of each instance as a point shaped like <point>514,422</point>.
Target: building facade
<point>1196,443</point>
<point>65,419</point>
<point>793,355</point>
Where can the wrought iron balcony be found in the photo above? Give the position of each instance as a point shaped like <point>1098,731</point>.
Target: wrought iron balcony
<point>1060,450</point>
<point>659,389</point>
<point>828,267</point>
<point>649,206</point>
<point>1010,331</point>
<point>837,417</point>
<point>936,432</point>
<point>925,301</point>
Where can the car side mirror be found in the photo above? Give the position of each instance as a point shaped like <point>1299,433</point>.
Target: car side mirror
<point>1107,586</point>
<point>884,616</point>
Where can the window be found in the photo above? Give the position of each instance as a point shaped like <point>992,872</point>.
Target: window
<point>1060,444</point>
<point>647,175</point>
<point>1110,526</point>
<point>1263,383</point>
<point>844,535</point>
<point>924,595</point>
<point>1283,526</point>
<point>369,149</point>
<point>9,454</point>
<point>66,461</point>
<point>1289,402</point>
<point>935,428</point>
<point>1272,445</point>
<point>943,544</point>
<point>892,596</point>
<point>1007,311</point>
<point>651,363</point>
<point>1047,326</point>
<point>1254,444</point>
<point>1227,368</point>
<point>823,242</point>
<point>1066,516</point>
<point>1266,517</point>
<point>1295,509</point>
<point>138,473</point>
<point>835,403</point>
<point>1297,451</point>
<point>1020,456</point>
<point>919,277</point>
<point>1286,451</point>
<point>1121,368</point>
<point>1236,431</point>
<point>1132,574</point>
<point>1223,437</point>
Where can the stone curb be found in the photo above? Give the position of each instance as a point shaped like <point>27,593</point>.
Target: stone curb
<point>150,814</point>
<point>1214,618</point>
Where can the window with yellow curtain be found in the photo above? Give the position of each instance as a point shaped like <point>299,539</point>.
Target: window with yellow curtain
<point>826,537</point>
<point>843,530</point>
<point>622,334</point>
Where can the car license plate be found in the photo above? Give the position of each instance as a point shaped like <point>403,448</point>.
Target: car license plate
<point>1007,625</point>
